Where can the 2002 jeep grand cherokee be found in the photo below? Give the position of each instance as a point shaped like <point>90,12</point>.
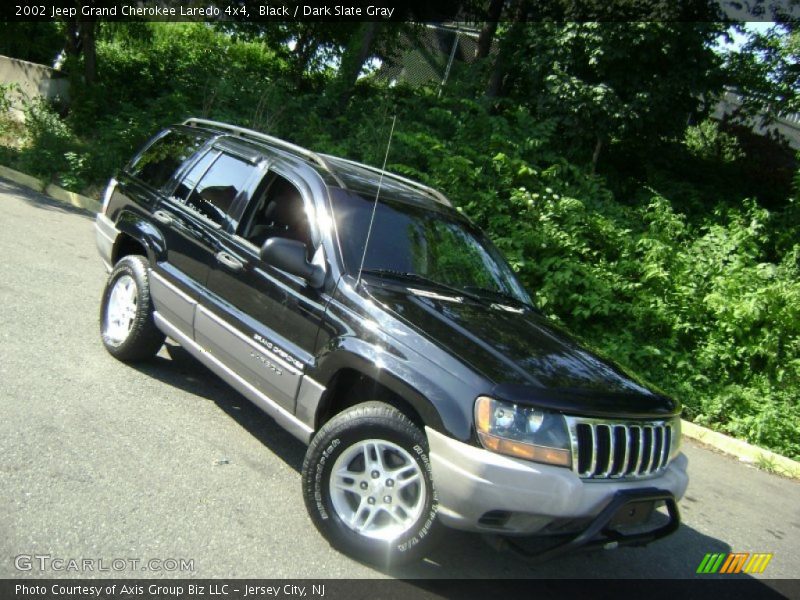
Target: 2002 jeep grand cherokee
<point>428,388</point>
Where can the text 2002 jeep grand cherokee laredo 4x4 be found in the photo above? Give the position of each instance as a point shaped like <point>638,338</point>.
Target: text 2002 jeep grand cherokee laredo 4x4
<point>428,388</point>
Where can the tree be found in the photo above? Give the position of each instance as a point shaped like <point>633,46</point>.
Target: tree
<point>486,36</point>
<point>629,83</point>
<point>766,70</point>
<point>354,55</point>
<point>80,37</point>
<point>306,45</point>
<point>38,42</point>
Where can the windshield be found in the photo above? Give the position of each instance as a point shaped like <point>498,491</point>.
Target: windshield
<point>409,239</point>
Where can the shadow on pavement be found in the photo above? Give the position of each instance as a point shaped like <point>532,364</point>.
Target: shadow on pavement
<point>183,371</point>
<point>468,555</point>
<point>39,200</point>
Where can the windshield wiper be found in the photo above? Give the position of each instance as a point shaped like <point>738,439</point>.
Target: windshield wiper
<point>421,279</point>
<point>497,295</point>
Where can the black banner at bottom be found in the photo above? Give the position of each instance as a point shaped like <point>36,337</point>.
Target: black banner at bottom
<point>401,589</point>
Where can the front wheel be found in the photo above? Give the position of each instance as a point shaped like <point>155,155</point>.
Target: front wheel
<point>368,486</point>
<point>126,312</point>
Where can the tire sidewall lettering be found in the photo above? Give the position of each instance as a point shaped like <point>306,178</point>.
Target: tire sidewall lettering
<point>318,477</point>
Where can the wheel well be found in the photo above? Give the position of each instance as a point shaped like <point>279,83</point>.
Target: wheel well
<point>350,387</point>
<point>125,246</point>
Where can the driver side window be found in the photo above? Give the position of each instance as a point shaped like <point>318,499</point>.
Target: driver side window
<point>277,210</point>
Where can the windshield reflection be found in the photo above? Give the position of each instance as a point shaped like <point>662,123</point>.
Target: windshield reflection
<point>411,239</point>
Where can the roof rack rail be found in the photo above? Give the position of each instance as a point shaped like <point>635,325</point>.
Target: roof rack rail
<point>263,137</point>
<point>436,194</point>
<point>319,159</point>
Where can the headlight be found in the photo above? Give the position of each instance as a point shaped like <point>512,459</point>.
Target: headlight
<point>523,432</point>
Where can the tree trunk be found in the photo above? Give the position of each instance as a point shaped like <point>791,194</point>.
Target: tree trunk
<point>486,36</point>
<point>596,154</point>
<point>80,39</point>
<point>72,41</point>
<point>499,75</point>
<point>353,59</point>
<point>87,30</point>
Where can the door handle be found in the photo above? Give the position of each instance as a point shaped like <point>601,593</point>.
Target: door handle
<point>163,217</point>
<point>234,264</point>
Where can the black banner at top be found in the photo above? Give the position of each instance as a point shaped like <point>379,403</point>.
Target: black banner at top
<point>463,11</point>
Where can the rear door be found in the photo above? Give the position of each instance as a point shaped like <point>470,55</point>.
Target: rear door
<point>150,178</point>
<point>191,219</point>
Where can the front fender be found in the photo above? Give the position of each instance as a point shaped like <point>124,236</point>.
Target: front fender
<point>144,232</point>
<point>443,401</point>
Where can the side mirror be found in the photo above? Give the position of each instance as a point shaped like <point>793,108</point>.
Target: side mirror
<point>290,256</point>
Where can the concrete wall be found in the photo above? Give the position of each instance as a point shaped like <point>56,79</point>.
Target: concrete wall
<point>32,80</point>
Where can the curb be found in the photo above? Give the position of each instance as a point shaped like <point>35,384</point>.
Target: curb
<point>746,453</point>
<point>53,191</point>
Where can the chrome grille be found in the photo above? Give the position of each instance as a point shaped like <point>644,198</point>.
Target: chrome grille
<point>604,449</point>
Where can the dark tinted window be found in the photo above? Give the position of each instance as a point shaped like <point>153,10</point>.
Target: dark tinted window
<point>437,245</point>
<point>276,211</point>
<point>186,185</point>
<point>214,194</point>
<point>365,182</point>
<point>159,162</point>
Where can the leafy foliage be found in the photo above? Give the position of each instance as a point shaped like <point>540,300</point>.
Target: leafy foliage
<point>6,121</point>
<point>766,70</point>
<point>52,151</point>
<point>631,83</point>
<point>38,42</point>
<point>707,142</point>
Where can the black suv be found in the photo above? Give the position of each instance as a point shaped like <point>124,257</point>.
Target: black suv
<point>380,327</point>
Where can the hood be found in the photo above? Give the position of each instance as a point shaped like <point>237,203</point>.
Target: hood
<point>527,358</point>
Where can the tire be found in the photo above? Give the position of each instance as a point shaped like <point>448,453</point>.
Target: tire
<point>364,441</point>
<point>126,312</point>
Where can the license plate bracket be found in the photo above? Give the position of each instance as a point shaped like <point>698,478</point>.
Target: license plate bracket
<point>633,513</point>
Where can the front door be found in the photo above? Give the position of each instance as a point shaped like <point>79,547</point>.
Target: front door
<point>262,319</point>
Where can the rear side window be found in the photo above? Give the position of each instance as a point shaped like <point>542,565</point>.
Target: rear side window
<point>211,190</point>
<point>156,165</point>
<point>190,180</point>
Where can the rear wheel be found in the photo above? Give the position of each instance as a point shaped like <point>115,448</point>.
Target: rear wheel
<point>126,312</point>
<point>368,486</point>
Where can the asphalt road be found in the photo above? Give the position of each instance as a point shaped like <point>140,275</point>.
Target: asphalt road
<point>102,460</point>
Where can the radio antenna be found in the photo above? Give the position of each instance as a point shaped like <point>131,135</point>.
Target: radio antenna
<point>375,206</point>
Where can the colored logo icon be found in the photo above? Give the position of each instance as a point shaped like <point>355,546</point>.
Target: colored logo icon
<point>735,562</point>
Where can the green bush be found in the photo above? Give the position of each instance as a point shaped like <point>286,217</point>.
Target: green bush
<point>707,142</point>
<point>7,124</point>
<point>5,99</point>
<point>51,151</point>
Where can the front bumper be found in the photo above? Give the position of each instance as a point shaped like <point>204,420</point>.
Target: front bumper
<point>475,485</point>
